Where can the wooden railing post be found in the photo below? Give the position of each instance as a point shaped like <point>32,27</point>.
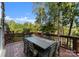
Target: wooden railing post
<point>74,45</point>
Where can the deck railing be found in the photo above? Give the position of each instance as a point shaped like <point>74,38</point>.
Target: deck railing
<point>68,42</point>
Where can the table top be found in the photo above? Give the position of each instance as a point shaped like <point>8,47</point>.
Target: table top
<point>41,42</point>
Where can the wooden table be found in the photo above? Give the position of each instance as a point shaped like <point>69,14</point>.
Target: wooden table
<point>41,42</point>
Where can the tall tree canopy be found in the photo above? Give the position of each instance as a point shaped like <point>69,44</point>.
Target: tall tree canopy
<point>59,14</point>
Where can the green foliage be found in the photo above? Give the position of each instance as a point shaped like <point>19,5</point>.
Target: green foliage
<point>46,27</point>
<point>75,31</point>
<point>60,15</point>
<point>32,27</point>
<point>19,28</point>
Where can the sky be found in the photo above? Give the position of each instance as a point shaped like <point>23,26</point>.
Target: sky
<point>20,12</point>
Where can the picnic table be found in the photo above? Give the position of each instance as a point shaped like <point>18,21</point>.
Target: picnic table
<point>43,43</point>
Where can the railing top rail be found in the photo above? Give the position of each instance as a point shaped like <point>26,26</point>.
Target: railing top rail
<point>49,34</point>
<point>65,36</point>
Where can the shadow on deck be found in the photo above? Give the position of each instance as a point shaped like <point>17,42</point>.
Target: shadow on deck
<point>16,50</point>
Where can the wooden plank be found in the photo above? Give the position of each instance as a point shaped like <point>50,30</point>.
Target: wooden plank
<point>77,46</point>
<point>41,42</point>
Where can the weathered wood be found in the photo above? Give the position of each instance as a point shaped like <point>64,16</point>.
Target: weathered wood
<point>41,42</point>
<point>3,15</point>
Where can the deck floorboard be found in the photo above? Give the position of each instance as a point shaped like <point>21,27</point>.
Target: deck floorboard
<point>16,50</point>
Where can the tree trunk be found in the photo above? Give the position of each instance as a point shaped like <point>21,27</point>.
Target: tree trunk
<point>70,28</point>
<point>58,29</point>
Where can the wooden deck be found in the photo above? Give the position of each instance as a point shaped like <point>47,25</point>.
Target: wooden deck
<point>16,50</point>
